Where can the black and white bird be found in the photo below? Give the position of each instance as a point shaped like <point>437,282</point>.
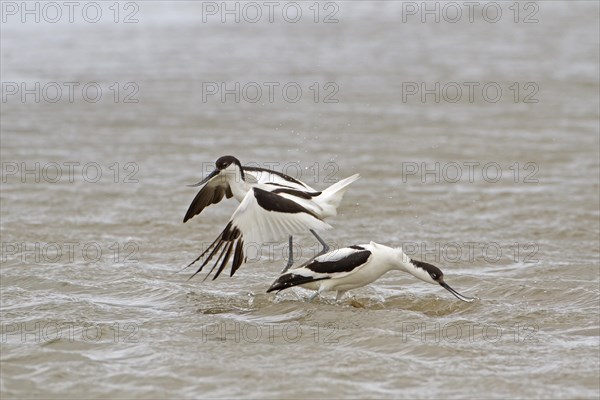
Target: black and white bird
<point>231,179</point>
<point>356,266</point>
<point>272,206</point>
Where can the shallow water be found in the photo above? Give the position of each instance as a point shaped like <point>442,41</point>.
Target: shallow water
<point>98,309</point>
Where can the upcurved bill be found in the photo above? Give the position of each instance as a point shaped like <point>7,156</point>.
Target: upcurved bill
<point>208,178</point>
<point>455,293</point>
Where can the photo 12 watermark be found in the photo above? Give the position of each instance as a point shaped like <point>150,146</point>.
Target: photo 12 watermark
<point>69,252</point>
<point>326,173</point>
<point>71,92</point>
<point>269,92</point>
<point>470,92</point>
<point>245,332</point>
<point>47,332</point>
<point>270,252</point>
<point>452,12</point>
<point>69,172</point>
<point>53,12</point>
<point>252,12</point>
<point>453,332</point>
<point>470,172</point>
<point>469,252</point>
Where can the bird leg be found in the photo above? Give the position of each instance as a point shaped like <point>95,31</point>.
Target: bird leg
<point>325,245</point>
<point>314,296</point>
<point>323,251</point>
<point>339,295</point>
<point>290,261</point>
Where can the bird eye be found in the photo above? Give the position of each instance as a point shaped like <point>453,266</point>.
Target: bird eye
<point>434,275</point>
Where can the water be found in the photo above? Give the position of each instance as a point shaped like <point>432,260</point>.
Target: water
<point>76,322</point>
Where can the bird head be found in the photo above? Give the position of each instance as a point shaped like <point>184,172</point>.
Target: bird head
<point>432,274</point>
<point>226,165</point>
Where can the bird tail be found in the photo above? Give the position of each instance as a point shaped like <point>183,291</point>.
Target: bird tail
<point>333,195</point>
<point>291,279</point>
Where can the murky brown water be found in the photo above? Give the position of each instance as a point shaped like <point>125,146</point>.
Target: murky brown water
<point>90,302</point>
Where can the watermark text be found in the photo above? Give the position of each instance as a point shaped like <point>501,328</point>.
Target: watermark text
<point>269,92</point>
<point>69,252</point>
<point>53,12</point>
<point>53,92</point>
<point>471,11</point>
<point>469,171</point>
<point>469,92</point>
<point>270,11</point>
<point>68,172</point>
<point>44,332</point>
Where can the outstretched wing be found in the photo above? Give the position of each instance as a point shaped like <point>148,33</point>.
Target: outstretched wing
<point>211,193</point>
<point>270,177</point>
<point>335,264</point>
<point>261,217</point>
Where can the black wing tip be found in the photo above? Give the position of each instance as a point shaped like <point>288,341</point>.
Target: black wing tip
<point>192,212</point>
<point>189,214</point>
<point>223,249</point>
<point>206,197</point>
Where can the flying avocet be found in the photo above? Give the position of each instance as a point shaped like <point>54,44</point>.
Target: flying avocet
<point>231,179</point>
<point>272,205</point>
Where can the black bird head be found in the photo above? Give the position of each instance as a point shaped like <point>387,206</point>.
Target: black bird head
<point>223,163</point>
<point>433,274</point>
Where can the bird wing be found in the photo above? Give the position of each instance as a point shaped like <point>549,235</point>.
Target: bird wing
<point>211,193</point>
<point>267,176</point>
<point>261,217</point>
<point>218,187</point>
<point>335,264</point>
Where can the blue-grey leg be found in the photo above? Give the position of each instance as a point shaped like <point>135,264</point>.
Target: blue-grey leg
<point>323,251</point>
<point>314,296</point>
<point>290,257</point>
<point>325,246</point>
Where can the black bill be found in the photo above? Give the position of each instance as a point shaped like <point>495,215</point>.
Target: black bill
<point>208,178</point>
<point>454,292</point>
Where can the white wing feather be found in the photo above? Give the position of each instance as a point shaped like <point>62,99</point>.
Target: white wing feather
<point>264,176</point>
<point>259,225</point>
<point>251,223</point>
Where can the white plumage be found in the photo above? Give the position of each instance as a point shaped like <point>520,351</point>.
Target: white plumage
<point>231,179</point>
<point>259,224</point>
<point>272,206</point>
<point>356,266</point>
